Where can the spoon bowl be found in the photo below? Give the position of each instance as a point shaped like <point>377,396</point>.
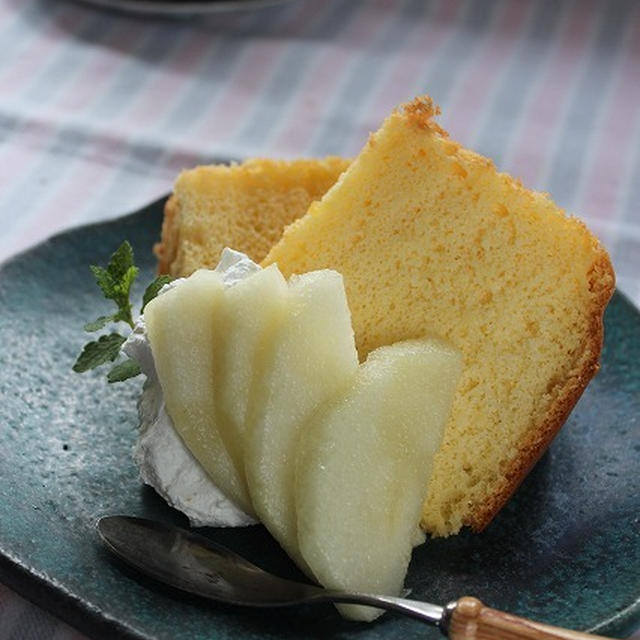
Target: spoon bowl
<point>197,565</point>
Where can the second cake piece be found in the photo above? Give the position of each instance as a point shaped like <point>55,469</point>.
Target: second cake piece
<point>244,206</point>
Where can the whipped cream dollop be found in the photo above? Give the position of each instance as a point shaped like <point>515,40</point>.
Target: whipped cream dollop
<point>162,458</point>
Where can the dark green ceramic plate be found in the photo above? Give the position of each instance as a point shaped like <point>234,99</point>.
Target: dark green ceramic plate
<point>566,549</point>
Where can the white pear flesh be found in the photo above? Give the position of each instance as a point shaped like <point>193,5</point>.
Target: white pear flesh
<point>183,341</point>
<point>312,358</point>
<point>363,466</point>
<point>250,313</point>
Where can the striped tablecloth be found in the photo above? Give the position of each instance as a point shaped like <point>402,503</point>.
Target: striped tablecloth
<point>99,111</point>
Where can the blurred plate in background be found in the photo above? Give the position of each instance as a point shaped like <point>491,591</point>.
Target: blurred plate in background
<point>182,7</point>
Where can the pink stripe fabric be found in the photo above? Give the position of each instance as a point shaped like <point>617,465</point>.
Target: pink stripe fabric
<point>324,79</point>
<point>81,183</point>
<point>38,49</point>
<point>422,42</point>
<point>97,70</point>
<point>14,160</point>
<point>248,80</point>
<point>474,89</point>
<point>533,144</point>
<point>154,103</point>
<point>399,83</point>
<point>239,92</point>
<point>618,135</point>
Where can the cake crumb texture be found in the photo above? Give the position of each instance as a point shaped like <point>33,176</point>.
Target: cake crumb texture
<point>243,206</point>
<point>432,240</point>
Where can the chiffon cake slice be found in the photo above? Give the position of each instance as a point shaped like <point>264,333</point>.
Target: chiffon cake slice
<point>432,240</point>
<point>243,206</point>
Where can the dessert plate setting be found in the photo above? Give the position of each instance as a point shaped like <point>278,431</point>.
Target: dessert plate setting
<point>565,550</point>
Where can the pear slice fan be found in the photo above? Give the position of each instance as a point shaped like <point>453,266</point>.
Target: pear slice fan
<point>262,382</point>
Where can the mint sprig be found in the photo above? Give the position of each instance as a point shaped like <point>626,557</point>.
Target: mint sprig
<point>115,282</point>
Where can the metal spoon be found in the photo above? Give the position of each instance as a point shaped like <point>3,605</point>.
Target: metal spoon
<point>197,565</point>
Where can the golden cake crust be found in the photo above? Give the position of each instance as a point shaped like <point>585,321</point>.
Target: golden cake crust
<point>448,219</point>
<point>602,283</point>
<point>166,249</point>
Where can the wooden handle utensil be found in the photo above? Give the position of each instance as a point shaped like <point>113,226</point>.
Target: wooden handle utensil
<point>470,619</point>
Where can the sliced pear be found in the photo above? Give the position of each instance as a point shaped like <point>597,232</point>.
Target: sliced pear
<point>363,466</point>
<point>183,342</point>
<point>251,311</point>
<point>312,358</point>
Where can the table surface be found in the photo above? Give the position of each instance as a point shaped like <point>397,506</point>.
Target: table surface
<point>99,111</point>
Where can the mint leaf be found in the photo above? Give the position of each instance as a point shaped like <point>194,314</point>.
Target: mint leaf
<point>153,290</point>
<point>124,286</point>
<point>123,370</point>
<point>121,261</point>
<point>105,349</point>
<point>104,279</point>
<point>122,290</point>
<point>116,280</point>
<point>98,324</point>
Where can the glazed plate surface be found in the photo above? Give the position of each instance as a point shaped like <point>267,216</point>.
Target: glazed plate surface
<point>565,550</point>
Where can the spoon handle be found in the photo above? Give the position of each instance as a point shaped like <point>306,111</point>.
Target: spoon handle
<point>469,619</point>
<point>423,611</point>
